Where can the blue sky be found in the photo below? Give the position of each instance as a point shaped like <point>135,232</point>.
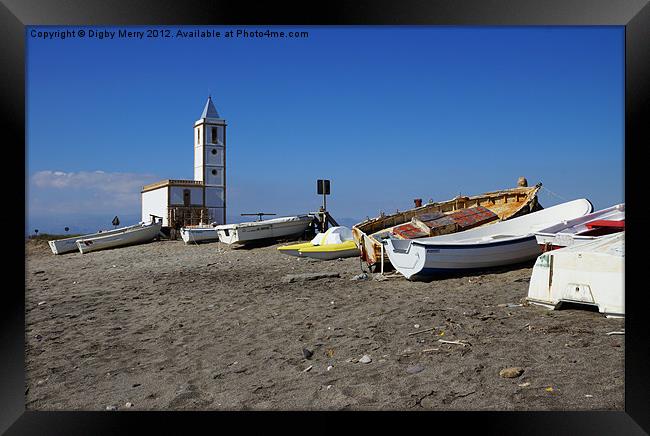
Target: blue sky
<point>389,114</point>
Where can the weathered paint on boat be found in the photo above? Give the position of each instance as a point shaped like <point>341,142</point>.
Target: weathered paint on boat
<point>507,203</point>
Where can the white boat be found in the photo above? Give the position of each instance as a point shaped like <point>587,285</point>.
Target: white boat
<point>504,243</point>
<point>67,245</point>
<point>591,273</point>
<point>199,234</point>
<point>128,236</point>
<point>266,229</point>
<point>583,229</point>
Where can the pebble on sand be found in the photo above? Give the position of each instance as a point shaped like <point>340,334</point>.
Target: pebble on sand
<point>362,276</point>
<point>365,359</point>
<point>414,369</point>
<point>111,408</point>
<point>512,372</point>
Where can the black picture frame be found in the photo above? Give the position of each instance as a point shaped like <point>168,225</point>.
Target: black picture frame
<point>634,15</point>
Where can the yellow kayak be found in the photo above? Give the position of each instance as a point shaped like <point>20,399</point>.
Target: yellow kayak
<point>329,251</point>
<point>294,249</point>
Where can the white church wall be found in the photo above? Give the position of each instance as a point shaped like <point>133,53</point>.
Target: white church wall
<point>214,176</point>
<point>217,215</point>
<point>213,197</point>
<point>198,156</point>
<point>213,155</point>
<point>155,203</point>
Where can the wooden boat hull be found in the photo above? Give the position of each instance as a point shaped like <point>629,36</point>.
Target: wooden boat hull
<point>500,244</point>
<point>507,204</point>
<point>191,235</point>
<point>330,251</point>
<point>591,273</point>
<point>260,230</point>
<point>133,236</point>
<point>67,245</point>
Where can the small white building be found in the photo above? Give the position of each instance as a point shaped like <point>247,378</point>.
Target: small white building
<point>198,201</point>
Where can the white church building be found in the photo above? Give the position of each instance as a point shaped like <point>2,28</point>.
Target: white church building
<point>202,200</point>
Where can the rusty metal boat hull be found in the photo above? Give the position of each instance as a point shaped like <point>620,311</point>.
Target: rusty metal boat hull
<point>506,204</point>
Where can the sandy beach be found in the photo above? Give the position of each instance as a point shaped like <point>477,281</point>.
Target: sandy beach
<point>166,325</point>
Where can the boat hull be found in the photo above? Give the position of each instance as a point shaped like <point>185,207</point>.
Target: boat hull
<point>590,274</point>
<point>330,251</point>
<point>507,204</point>
<point>196,235</point>
<point>416,261</point>
<point>294,249</point>
<point>67,245</point>
<point>578,231</point>
<point>261,230</point>
<point>145,233</point>
<point>504,243</point>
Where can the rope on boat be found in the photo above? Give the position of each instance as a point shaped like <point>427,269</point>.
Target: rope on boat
<point>553,193</point>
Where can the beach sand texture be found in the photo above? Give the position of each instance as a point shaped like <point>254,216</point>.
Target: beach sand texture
<point>166,325</point>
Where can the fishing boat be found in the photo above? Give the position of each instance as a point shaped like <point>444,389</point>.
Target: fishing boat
<point>196,234</point>
<point>440,218</point>
<point>128,236</point>
<point>590,273</point>
<point>264,229</point>
<point>335,243</point>
<point>583,229</point>
<point>68,245</point>
<point>504,243</point>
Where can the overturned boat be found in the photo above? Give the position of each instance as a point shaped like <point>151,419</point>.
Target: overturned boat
<point>590,273</point>
<point>127,236</point>
<point>67,245</point>
<point>434,219</point>
<point>504,243</point>
<point>583,229</point>
<point>264,229</point>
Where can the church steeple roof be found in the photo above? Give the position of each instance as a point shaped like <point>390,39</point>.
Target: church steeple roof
<point>209,111</point>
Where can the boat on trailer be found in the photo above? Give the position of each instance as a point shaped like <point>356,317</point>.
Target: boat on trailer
<point>196,234</point>
<point>265,229</point>
<point>583,229</point>
<point>591,273</point>
<point>434,219</point>
<point>128,236</point>
<point>504,243</point>
<point>67,245</point>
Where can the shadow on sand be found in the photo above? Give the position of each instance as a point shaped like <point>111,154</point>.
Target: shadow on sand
<point>482,271</point>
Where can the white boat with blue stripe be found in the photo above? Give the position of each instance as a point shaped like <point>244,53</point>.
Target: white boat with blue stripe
<point>504,243</point>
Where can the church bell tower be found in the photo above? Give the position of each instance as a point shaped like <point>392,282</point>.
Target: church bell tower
<point>210,160</point>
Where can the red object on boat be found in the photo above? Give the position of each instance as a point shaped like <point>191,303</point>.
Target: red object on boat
<point>409,231</point>
<point>606,223</point>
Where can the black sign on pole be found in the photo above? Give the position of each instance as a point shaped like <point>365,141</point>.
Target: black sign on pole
<point>116,221</point>
<point>323,187</point>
